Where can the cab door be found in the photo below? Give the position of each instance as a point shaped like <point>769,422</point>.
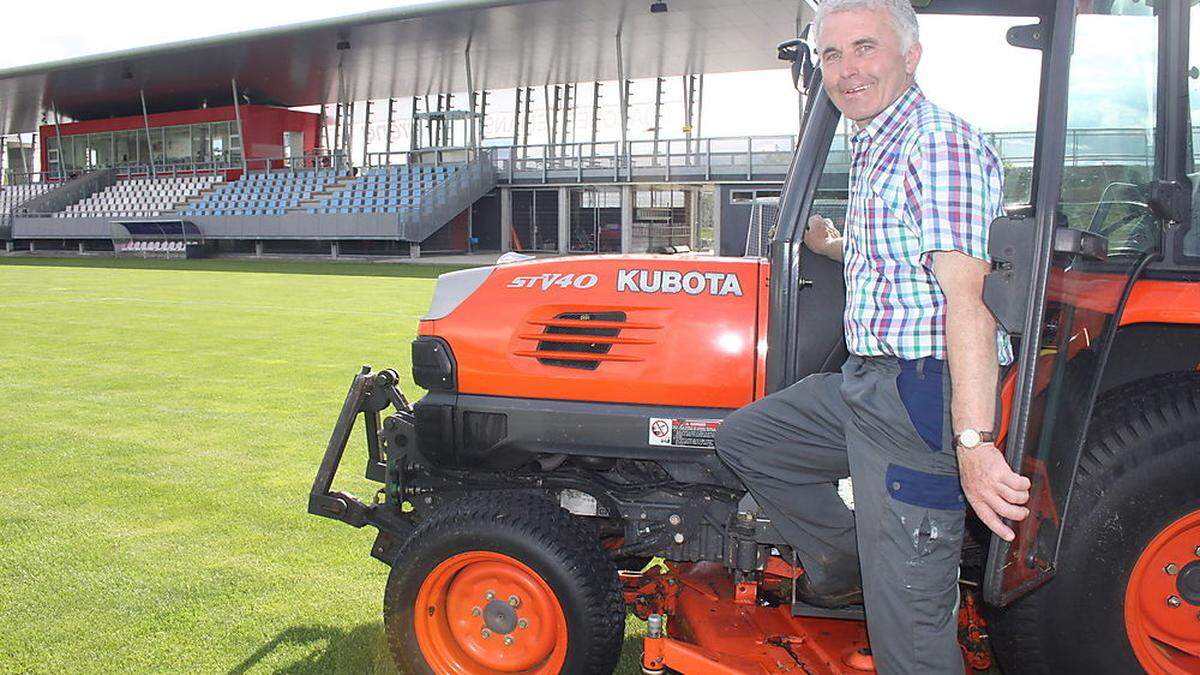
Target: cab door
<point>1109,173</point>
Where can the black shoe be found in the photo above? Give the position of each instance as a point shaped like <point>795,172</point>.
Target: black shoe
<point>834,594</point>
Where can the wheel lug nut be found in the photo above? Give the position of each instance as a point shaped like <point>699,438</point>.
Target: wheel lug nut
<point>1174,601</point>
<point>490,595</point>
<point>508,640</point>
<point>485,633</point>
<point>514,601</point>
<point>523,623</point>
<point>1171,569</point>
<point>475,611</point>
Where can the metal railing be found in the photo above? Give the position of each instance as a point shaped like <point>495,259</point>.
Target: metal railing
<point>1084,147</point>
<point>427,156</point>
<point>738,157</point>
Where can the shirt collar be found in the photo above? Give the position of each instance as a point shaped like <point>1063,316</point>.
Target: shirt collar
<point>892,116</point>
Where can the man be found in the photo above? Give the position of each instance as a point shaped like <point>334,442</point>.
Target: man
<point>911,417</point>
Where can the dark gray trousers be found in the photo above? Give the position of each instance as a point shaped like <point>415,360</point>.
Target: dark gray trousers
<point>886,424</point>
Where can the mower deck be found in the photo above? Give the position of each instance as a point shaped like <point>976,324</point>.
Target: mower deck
<point>712,633</point>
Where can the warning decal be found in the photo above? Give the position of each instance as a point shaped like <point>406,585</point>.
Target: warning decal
<point>683,433</point>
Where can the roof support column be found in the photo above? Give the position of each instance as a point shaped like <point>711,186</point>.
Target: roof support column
<point>323,139</point>
<point>237,112</point>
<point>472,140</point>
<point>366,132</point>
<point>145,125</point>
<point>414,129</point>
<point>568,118</point>
<point>337,123</point>
<point>525,118</point>
<point>348,132</point>
<point>506,219</point>
<point>689,108</point>
<point>564,221</point>
<point>516,121</point>
<point>627,203</point>
<point>624,94</point>
<point>551,118</point>
<point>595,114</point>
<point>658,93</point>
<point>483,107</point>
<point>387,144</point>
<point>62,161</point>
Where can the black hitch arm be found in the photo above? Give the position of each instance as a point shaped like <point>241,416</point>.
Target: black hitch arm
<point>369,395</point>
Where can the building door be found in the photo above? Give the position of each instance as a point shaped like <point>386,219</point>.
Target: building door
<point>293,144</point>
<point>595,220</point>
<point>662,217</point>
<point>535,220</point>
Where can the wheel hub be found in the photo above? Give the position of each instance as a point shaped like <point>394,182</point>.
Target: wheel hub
<point>484,612</point>
<point>1161,598</point>
<point>1189,583</point>
<point>501,618</point>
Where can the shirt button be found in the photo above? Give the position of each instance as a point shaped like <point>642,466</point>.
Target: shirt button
<point>896,486</point>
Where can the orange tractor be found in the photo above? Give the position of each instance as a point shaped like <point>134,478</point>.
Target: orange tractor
<point>560,471</point>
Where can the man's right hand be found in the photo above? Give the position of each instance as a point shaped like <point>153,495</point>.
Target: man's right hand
<point>822,237</point>
<point>992,488</point>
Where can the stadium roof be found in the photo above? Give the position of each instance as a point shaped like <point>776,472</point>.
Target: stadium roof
<point>413,50</point>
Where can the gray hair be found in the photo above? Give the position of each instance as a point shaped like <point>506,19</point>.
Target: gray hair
<point>904,19</point>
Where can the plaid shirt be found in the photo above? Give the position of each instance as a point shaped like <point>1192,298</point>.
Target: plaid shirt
<point>921,180</point>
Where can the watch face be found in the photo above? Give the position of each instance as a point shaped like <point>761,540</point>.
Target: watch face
<point>969,438</point>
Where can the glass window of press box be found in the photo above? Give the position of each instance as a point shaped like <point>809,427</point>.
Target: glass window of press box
<point>181,146</point>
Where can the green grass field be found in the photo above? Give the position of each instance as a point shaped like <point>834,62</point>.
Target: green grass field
<point>160,427</point>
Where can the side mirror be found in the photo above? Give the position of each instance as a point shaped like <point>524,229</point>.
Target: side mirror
<point>797,51</point>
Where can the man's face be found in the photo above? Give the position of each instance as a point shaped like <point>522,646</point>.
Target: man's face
<point>864,69</point>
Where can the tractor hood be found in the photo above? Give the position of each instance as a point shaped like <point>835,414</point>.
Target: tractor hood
<point>665,330</point>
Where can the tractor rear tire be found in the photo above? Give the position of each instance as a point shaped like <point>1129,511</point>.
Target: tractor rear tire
<point>1118,596</point>
<point>503,582</point>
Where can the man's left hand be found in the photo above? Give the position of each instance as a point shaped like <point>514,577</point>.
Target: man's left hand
<point>992,488</point>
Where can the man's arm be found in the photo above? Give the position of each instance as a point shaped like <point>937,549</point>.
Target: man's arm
<point>822,237</point>
<point>993,489</point>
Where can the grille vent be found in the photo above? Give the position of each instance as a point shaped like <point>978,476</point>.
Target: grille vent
<point>584,340</point>
<point>573,336</point>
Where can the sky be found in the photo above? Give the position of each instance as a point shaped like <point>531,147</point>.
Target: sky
<point>967,66</point>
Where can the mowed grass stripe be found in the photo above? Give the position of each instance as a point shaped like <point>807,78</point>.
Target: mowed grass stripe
<point>161,427</point>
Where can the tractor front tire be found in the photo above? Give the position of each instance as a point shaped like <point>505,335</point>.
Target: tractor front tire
<point>503,582</point>
<point>1126,594</point>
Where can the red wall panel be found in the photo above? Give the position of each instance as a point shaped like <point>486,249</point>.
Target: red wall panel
<point>262,127</point>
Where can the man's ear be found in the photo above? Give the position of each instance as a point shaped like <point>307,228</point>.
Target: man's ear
<point>911,58</point>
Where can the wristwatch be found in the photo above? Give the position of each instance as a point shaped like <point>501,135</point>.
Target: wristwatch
<point>971,438</point>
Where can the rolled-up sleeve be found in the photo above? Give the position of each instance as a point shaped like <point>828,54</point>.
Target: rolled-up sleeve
<point>958,192</point>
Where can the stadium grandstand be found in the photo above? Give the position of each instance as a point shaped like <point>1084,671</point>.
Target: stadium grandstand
<point>379,134</point>
<point>449,126</point>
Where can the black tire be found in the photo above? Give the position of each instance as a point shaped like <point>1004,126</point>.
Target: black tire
<point>1139,472</point>
<point>536,533</point>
